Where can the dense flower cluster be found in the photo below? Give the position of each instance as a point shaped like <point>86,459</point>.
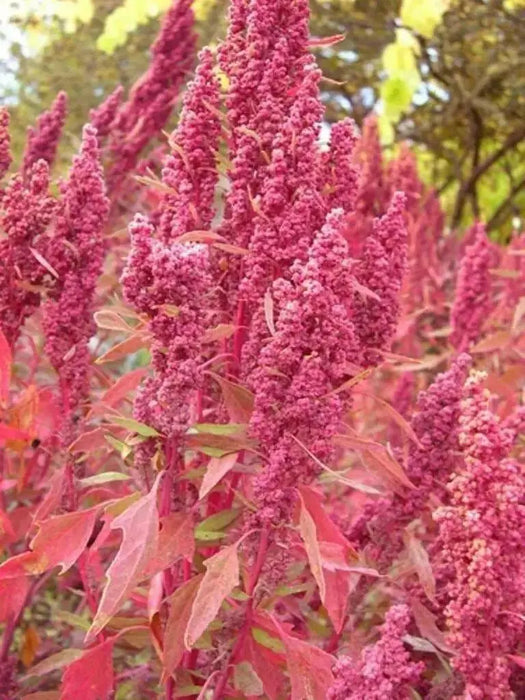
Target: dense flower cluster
<point>429,465</point>
<point>151,99</point>
<point>384,669</point>
<point>306,359</point>
<point>380,271</point>
<point>103,116</point>
<point>473,301</point>
<point>27,212</point>
<point>170,281</point>
<point>190,171</point>
<point>42,140</point>
<point>295,299</point>
<point>482,535</point>
<point>76,250</point>
<point>5,142</point>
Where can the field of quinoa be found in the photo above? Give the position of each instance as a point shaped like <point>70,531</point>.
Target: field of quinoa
<point>261,410</point>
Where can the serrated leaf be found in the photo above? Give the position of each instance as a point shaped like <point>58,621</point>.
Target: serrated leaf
<point>140,533</point>
<point>180,607</point>
<point>237,399</point>
<point>216,469</point>
<point>221,577</point>
<point>90,677</point>
<point>135,342</point>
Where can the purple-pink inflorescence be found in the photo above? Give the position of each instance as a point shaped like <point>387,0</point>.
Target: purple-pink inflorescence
<point>430,463</point>
<point>76,251</point>
<point>170,281</point>
<point>473,302</point>
<point>482,542</point>
<point>384,669</point>
<point>26,216</point>
<point>42,140</point>
<point>305,359</point>
<point>103,116</point>
<point>190,171</point>
<point>5,142</point>
<point>380,270</point>
<point>152,98</point>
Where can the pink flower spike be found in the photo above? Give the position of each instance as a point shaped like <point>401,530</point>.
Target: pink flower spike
<point>43,139</point>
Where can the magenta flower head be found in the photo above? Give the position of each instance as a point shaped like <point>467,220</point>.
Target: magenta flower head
<point>190,171</point>
<point>473,302</point>
<point>5,142</point>
<point>76,250</point>
<point>384,669</point>
<point>380,270</point>
<point>26,215</point>
<point>482,545</point>
<point>102,117</point>
<point>168,280</point>
<point>152,97</point>
<point>42,140</point>
<point>298,368</point>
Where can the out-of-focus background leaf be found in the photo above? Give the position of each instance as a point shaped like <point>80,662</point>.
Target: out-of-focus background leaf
<point>448,76</point>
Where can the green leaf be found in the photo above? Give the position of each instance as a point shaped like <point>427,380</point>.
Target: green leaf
<point>267,640</point>
<point>219,428</point>
<point>135,426</point>
<point>423,16</point>
<point>104,478</point>
<point>121,447</point>
<point>216,522</point>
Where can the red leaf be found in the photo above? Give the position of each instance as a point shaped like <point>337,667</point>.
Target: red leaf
<point>13,592</point>
<point>426,624</point>
<point>111,320</point>
<point>310,668</point>
<point>395,415</point>
<point>9,433</point>
<point>519,660</point>
<point>216,469</point>
<point>139,524</point>
<point>63,538</point>
<point>221,577</point>
<point>175,540</point>
<point>268,312</point>
<point>59,542</point>
<point>337,578</point>
<point>237,399</point>
<point>421,562</point>
<point>135,342</point>
<point>90,441</point>
<point>90,677</point>
<point>180,604</point>
<point>265,665</point>
<point>6,361</point>
<point>220,332</point>
<point>326,40</point>
<point>123,387</point>
<point>309,534</point>
<point>496,341</point>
